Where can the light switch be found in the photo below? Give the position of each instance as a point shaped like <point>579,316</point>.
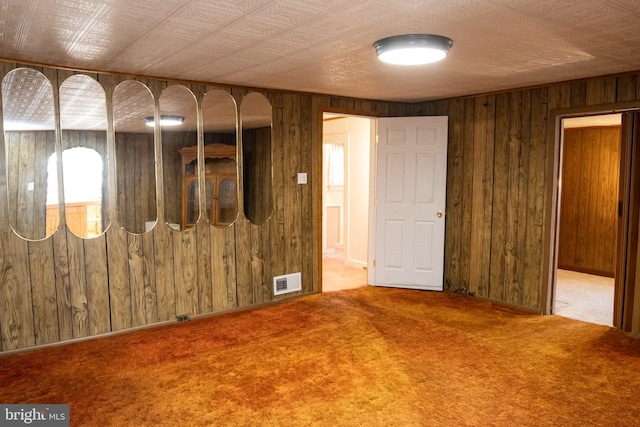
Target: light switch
<point>302,178</point>
<point>30,186</point>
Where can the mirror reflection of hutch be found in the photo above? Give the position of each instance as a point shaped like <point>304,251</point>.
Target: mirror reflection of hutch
<point>220,174</point>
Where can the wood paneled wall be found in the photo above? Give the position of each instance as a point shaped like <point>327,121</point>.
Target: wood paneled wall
<point>589,206</point>
<point>496,188</point>
<point>65,287</point>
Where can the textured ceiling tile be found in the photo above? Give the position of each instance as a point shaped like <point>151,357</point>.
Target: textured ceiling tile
<point>254,29</point>
<point>325,44</point>
<point>285,14</point>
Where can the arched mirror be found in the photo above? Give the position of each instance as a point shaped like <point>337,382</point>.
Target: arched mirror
<point>178,121</point>
<point>29,137</point>
<point>135,157</point>
<point>255,114</point>
<point>220,165</point>
<point>83,121</point>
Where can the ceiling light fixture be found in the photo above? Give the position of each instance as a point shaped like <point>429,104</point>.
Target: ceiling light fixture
<point>413,49</point>
<point>165,120</point>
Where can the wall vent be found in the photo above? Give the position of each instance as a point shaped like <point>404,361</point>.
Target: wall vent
<point>287,283</point>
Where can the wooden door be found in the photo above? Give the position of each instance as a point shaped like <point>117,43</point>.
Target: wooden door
<point>411,176</point>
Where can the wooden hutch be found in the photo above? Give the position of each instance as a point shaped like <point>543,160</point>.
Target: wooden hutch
<point>220,186</point>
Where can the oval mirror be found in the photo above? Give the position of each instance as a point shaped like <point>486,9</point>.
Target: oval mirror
<point>220,165</point>
<point>29,137</point>
<point>135,157</point>
<point>178,122</point>
<point>83,121</point>
<point>255,116</point>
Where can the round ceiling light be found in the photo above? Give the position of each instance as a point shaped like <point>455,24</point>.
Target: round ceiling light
<point>165,120</point>
<point>413,49</point>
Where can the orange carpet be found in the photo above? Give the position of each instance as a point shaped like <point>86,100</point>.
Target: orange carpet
<point>360,357</point>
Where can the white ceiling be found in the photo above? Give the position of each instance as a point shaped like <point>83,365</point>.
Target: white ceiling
<point>325,46</point>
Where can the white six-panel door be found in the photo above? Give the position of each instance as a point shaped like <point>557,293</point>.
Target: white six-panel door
<point>409,207</point>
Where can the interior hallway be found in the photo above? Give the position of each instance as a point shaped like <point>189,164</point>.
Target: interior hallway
<point>336,276</point>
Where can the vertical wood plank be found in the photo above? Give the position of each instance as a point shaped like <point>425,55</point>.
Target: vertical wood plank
<point>16,315</point>
<point>277,220</point>
<point>149,277</point>
<point>63,287</point>
<point>514,171</point>
<point>523,191</point>
<point>25,210</point>
<point>258,279</point>
<point>12,168</point>
<point>230,266</point>
<point>203,250</point>
<point>604,211</point>
<point>164,269</point>
<point>43,292</point>
<point>309,217</point>
<point>244,285</point>
<point>477,196</point>
<point>136,279</point>
<point>186,272</point>
<point>595,140</point>
<point>480,246</point>
<point>626,88</point>
<point>218,269</point>
<point>569,200</point>
<point>467,190</point>
<point>578,94</point>
<point>533,247</point>
<point>292,209</point>
<point>594,92</point>
<point>584,202</point>
<point>45,146</point>
<point>95,257</point>
<point>500,200</point>
<point>454,200</point>
<point>78,286</point>
<point>119,290</point>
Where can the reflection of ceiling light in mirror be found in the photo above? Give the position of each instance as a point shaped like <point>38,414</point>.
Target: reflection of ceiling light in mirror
<point>413,49</point>
<point>165,120</point>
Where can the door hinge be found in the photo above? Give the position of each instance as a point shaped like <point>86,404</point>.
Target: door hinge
<point>375,202</point>
<point>374,263</point>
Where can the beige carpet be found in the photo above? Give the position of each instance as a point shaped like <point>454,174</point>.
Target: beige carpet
<point>584,297</point>
<point>337,276</point>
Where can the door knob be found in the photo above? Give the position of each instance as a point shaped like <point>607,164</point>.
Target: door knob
<point>439,214</point>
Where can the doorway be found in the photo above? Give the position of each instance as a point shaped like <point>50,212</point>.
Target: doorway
<point>587,225</point>
<point>346,162</point>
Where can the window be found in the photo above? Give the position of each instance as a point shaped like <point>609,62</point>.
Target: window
<point>82,176</point>
<point>336,165</point>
